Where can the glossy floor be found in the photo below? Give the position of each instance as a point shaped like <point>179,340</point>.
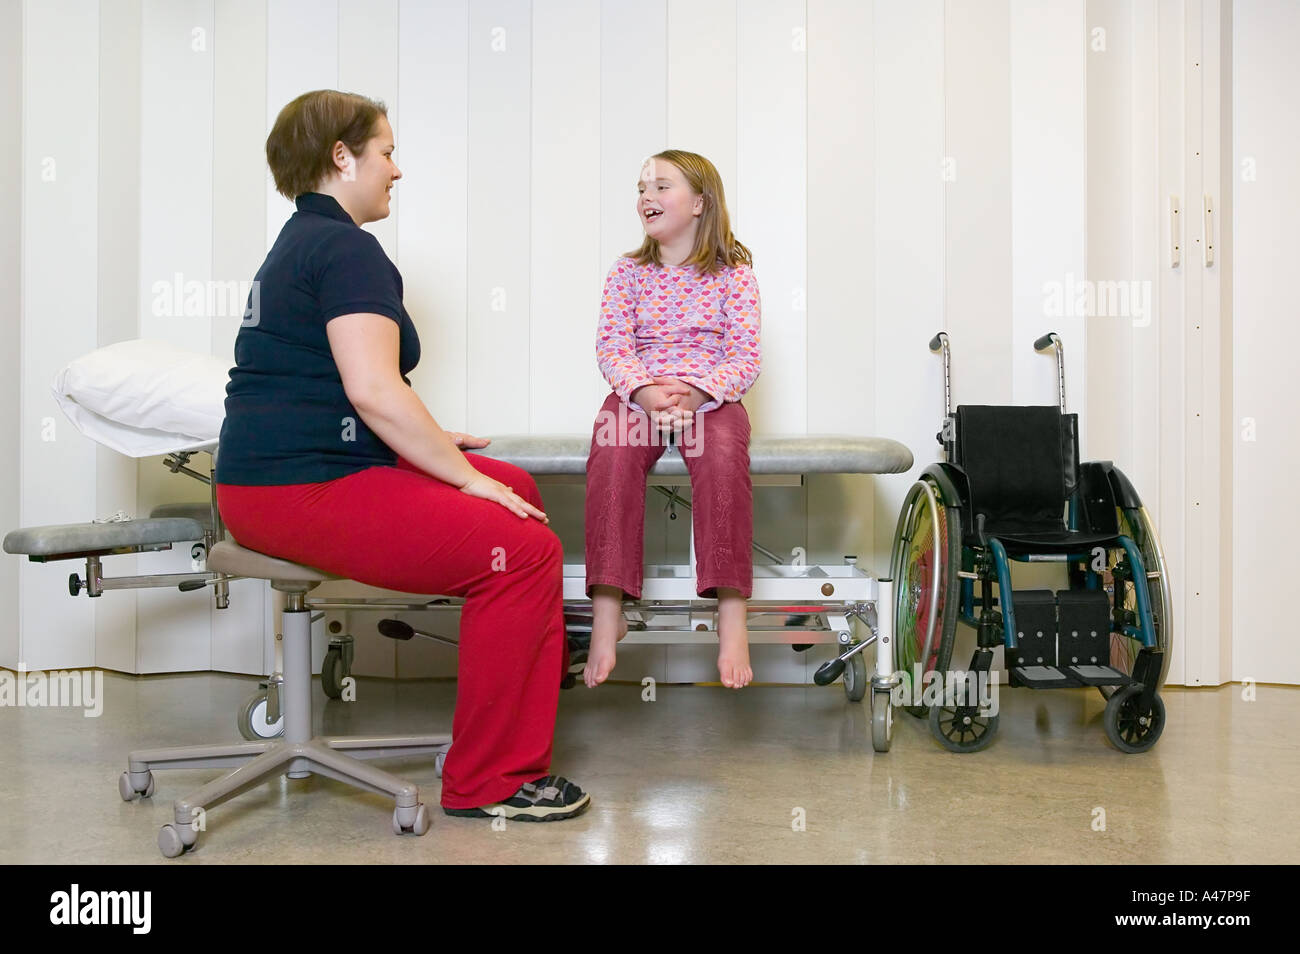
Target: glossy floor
<point>700,774</point>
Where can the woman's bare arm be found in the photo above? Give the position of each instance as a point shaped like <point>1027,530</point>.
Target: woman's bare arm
<point>366,348</point>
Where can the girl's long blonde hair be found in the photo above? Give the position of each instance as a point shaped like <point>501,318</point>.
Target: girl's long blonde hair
<point>715,245</point>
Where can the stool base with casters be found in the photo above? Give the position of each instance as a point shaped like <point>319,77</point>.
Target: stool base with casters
<point>297,754</point>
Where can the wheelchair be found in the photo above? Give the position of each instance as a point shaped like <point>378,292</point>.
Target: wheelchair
<point>1011,488</point>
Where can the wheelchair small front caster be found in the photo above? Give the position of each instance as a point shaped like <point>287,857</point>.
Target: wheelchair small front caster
<point>253,724</point>
<point>1129,728</point>
<point>418,818</point>
<point>172,843</point>
<point>882,719</point>
<point>962,728</point>
<point>126,788</point>
<point>855,678</point>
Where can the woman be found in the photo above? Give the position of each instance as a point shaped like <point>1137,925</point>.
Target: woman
<point>329,459</point>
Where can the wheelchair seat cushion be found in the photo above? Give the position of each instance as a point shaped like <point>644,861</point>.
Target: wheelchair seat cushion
<point>1052,541</point>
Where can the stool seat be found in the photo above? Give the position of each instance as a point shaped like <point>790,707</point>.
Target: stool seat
<point>229,557</point>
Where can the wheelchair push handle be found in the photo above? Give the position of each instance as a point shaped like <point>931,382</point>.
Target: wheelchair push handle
<point>939,345</point>
<point>1053,340</point>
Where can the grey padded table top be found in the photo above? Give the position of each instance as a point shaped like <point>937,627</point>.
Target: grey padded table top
<point>538,454</point>
<point>88,538</point>
<point>787,456</point>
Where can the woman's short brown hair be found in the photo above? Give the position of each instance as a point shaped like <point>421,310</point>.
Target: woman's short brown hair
<point>298,149</point>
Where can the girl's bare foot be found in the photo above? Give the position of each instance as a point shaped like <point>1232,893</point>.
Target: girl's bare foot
<point>733,640</point>
<point>608,626</point>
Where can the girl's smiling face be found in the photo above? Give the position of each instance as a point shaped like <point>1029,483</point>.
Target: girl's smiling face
<point>667,207</point>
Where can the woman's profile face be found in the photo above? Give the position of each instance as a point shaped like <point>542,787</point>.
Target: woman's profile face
<point>369,177</point>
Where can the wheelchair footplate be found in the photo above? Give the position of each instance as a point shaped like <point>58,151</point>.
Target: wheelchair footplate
<point>1062,641</point>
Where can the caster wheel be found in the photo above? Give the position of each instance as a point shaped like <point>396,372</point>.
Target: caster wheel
<point>882,720</point>
<point>127,790</point>
<point>855,678</point>
<point>170,844</point>
<point>419,827</point>
<point>332,674</point>
<point>962,728</point>
<point>1129,729</point>
<point>252,720</point>
<point>437,763</point>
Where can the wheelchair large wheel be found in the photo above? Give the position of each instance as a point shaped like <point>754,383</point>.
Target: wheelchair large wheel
<point>1136,523</point>
<point>926,558</point>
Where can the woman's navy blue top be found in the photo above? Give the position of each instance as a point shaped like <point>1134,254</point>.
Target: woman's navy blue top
<point>288,420</point>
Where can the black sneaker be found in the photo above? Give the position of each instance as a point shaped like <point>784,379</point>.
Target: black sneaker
<point>549,798</point>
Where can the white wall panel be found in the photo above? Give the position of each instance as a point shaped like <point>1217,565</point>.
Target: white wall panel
<point>976,175</point>
<point>304,35</point>
<point>432,152</point>
<point>841,316</point>
<point>12,183</point>
<point>239,177</point>
<point>567,273</point>
<point>633,117</point>
<point>770,203</point>
<point>176,87</point>
<point>239,170</point>
<point>1109,358</point>
<point>118,286</point>
<point>1149,250</point>
<point>1048,162</point>
<point>177,48</point>
<point>909,239</point>
<point>702,83</point>
<point>498,339</point>
<point>60,234</point>
<point>368,32</point>
<point>1265,198</point>
<point>1172,295</point>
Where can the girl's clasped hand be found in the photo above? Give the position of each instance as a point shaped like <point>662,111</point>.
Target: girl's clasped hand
<point>670,402</point>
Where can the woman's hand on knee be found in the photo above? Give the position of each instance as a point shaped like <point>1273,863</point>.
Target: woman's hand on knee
<point>485,488</point>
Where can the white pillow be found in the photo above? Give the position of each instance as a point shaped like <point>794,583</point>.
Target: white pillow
<point>145,397</point>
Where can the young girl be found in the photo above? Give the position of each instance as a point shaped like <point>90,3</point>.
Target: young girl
<point>679,344</point>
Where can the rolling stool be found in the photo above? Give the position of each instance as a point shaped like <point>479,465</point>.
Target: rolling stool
<point>297,754</point>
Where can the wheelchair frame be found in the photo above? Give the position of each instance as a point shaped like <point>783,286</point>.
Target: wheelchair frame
<point>935,574</point>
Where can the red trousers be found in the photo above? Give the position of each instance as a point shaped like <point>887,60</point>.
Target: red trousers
<point>401,529</point>
<point>716,453</point>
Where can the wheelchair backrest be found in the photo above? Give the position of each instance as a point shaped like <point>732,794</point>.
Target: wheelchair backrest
<point>1021,464</point>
